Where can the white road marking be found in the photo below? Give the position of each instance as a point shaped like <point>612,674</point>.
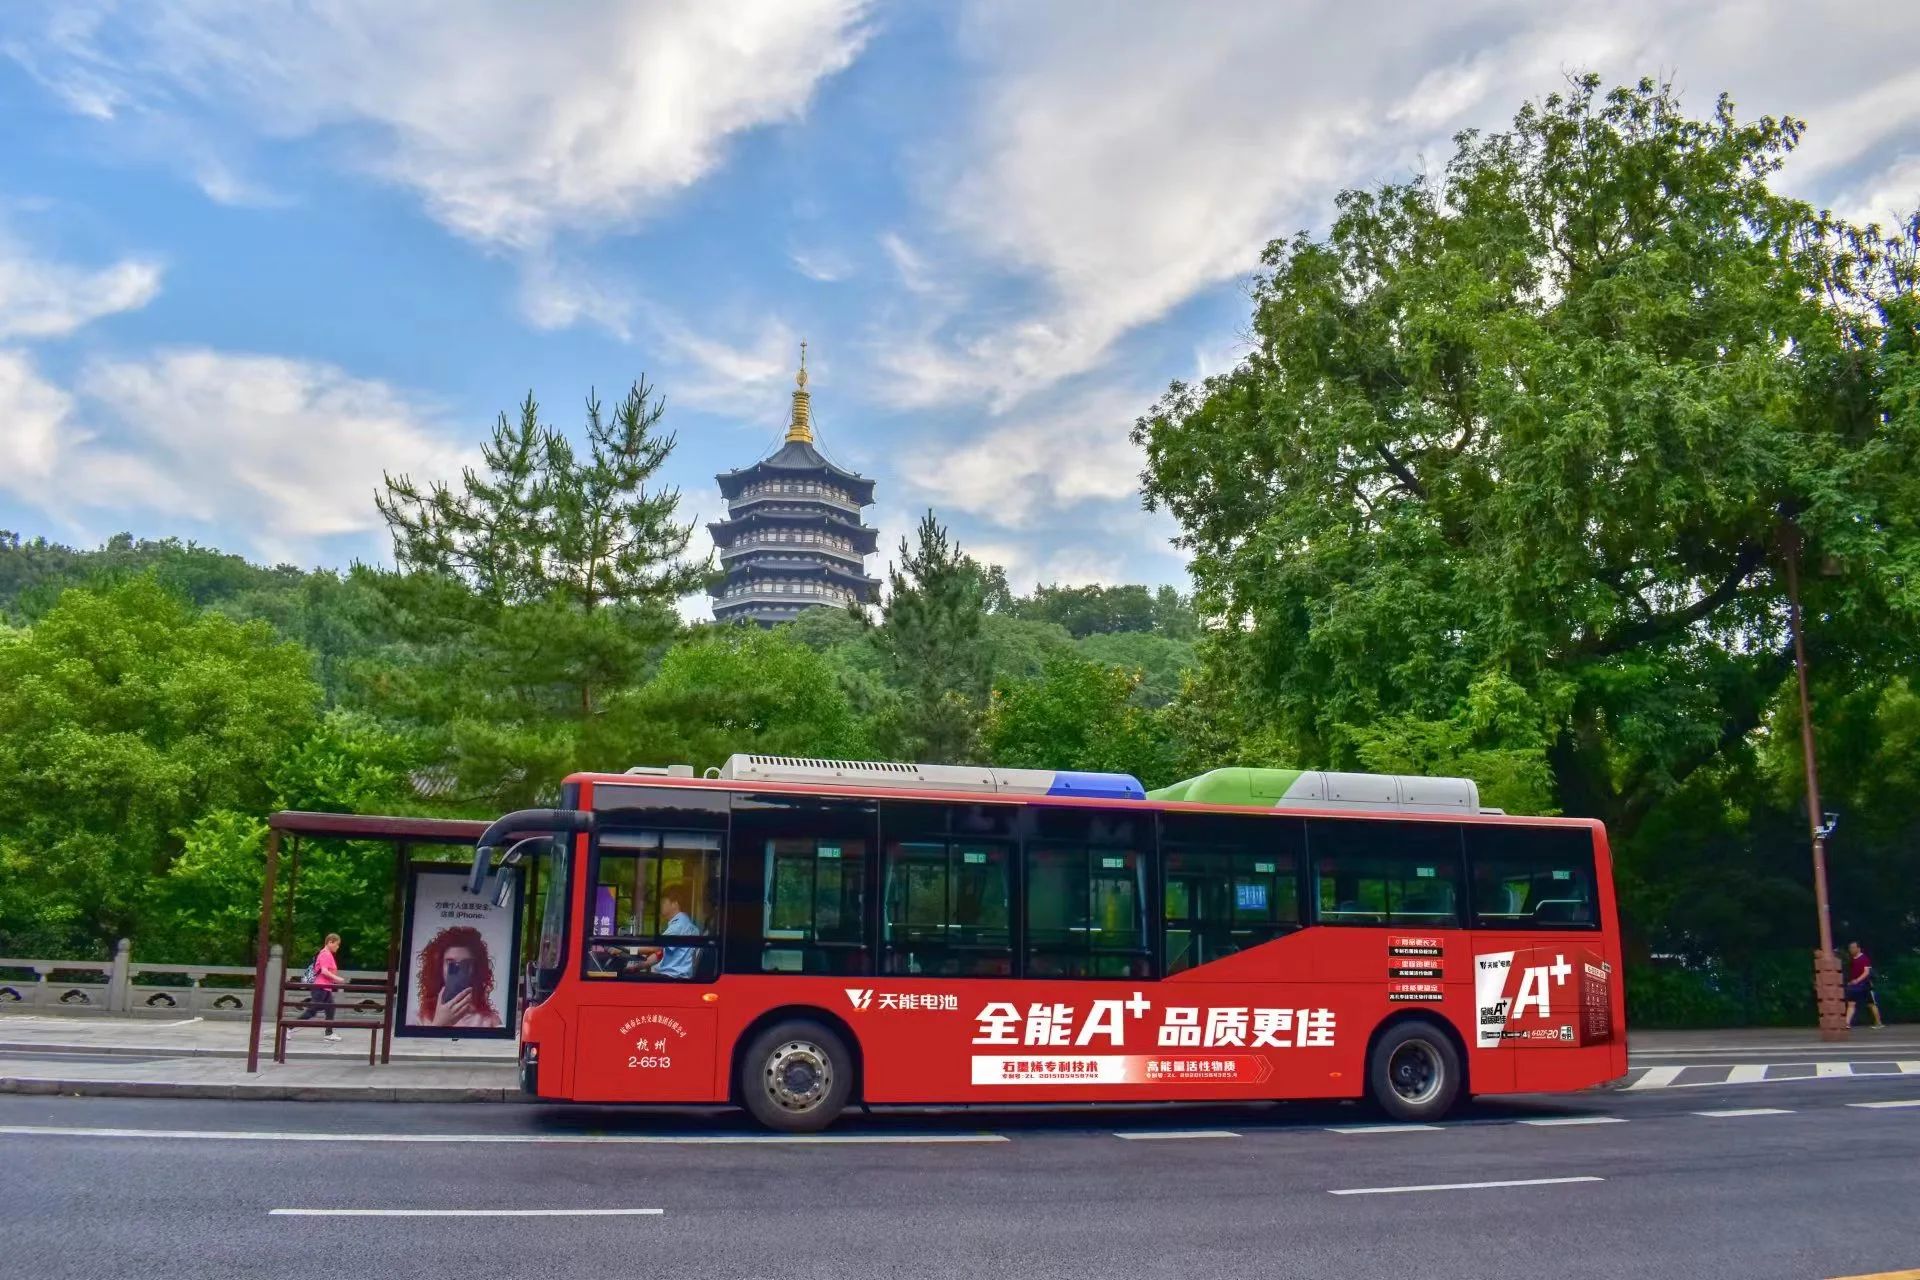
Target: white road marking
<point>1463,1186</point>
<point>1825,1070</point>
<point>1903,1102</point>
<point>1657,1078</point>
<point>1747,1073</point>
<point>1909,1068</point>
<point>1178,1133</point>
<point>1735,1113</point>
<point>463,1213</point>
<point>1557,1121</point>
<point>1737,1078</point>
<point>520,1139</point>
<point>1382,1128</point>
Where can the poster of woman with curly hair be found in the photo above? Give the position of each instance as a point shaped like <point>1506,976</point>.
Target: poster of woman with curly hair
<point>461,959</point>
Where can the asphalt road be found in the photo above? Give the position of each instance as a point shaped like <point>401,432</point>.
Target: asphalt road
<point>1818,1184</point>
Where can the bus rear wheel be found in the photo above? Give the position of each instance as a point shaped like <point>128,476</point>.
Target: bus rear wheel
<point>796,1076</point>
<point>1414,1072</point>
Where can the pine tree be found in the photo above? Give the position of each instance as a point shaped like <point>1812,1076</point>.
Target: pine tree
<point>934,649</point>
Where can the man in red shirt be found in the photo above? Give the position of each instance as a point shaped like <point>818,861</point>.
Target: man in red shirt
<point>1860,984</point>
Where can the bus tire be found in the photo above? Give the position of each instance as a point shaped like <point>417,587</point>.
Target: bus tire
<point>1414,1072</point>
<point>796,1076</point>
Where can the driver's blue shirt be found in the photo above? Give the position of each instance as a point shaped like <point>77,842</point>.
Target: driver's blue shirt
<point>677,962</point>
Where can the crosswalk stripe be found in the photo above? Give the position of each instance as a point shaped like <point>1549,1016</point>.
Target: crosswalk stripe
<point>1825,1070</point>
<point>1747,1073</point>
<point>1657,1078</point>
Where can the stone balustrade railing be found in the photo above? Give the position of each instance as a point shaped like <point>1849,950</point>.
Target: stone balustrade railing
<point>126,988</point>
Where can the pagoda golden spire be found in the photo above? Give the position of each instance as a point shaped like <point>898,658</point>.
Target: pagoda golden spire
<point>800,428</point>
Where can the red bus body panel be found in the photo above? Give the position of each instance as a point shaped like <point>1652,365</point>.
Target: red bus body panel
<point>1290,1018</point>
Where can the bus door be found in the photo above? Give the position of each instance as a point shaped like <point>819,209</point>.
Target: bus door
<point>651,953</point>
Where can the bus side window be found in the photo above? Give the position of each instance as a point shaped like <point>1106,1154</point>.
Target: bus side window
<point>1532,877</point>
<point>799,885</point>
<point>1368,872</point>
<point>1086,912</point>
<point>1231,883</point>
<point>948,907</point>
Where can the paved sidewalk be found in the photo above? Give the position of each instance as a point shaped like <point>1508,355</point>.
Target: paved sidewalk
<point>202,1037</point>
<point>194,1058</point>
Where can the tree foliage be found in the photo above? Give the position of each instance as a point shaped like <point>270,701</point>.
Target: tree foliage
<point>128,718</point>
<point>1541,419</point>
<point>1079,711</point>
<point>930,638</point>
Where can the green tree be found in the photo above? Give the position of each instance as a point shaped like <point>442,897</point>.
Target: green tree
<point>1159,660</point>
<point>542,523</point>
<point>734,689</point>
<point>1078,715</point>
<point>545,580</point>
<point>129,718</point>
<point>1540,419</point>
<point>930,638</point>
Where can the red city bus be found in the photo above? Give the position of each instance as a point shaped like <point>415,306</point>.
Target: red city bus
<point>796,935</point>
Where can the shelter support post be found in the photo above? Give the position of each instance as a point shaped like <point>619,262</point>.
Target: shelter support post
<point>261,995</point>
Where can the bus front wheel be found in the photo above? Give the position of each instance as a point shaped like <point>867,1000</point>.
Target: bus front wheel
<point>1414,1072</point>
<point>796,1076</point>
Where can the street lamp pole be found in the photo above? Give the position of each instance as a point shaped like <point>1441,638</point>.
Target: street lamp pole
<point>1826,966</point>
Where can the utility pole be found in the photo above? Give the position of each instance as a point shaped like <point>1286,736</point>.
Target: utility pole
<point>1826,966</point>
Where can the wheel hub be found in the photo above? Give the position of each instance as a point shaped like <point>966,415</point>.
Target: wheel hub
<point>1414,1071</point>
<point>799,1076</point>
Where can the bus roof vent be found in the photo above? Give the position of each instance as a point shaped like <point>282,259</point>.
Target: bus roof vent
<point>662,770</point>
<point>932,777</point>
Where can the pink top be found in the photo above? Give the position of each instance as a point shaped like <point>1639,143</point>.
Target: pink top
<point>326,973</point>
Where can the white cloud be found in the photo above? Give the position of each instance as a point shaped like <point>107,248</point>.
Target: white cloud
<point>290,451</point>
<point>909,263</point>
<point>43,299</point>
<point>511,121</point>
<point>1035,464</point>
<point>1121,167</point>
<point>37,422</point>
<point>828,266</point>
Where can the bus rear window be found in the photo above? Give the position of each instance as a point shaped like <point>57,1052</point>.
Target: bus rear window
<point>1532,877</point>
<point>1374,873</point>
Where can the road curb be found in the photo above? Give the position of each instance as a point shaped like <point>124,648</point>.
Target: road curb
<point>263,1092</point>
<point>190,1051</point>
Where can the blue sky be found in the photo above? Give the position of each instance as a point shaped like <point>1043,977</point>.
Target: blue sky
<point>253,252</point>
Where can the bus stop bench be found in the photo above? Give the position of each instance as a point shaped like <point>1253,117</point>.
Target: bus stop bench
<point>295,1000</point>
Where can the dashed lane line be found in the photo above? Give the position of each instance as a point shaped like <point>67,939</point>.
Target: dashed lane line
<point>1902,1102</point>
<point>464,1213</point>
<point>1553,1122</point>
<point>517,1139</point>
<point>1383,1128</point>
<point>1463,1186</point>
<point>1171,1134</point>
<point>1739,1113</point>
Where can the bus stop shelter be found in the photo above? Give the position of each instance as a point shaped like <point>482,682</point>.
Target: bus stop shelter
<point>291,827</point>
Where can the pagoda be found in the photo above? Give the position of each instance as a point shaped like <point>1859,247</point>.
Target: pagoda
<point>793,538</point>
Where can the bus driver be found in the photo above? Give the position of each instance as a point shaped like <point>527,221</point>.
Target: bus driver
<point>672,962</point>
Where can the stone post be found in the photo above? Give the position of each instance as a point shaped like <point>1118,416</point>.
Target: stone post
<point>269,995</point>
<point>120,980</point>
